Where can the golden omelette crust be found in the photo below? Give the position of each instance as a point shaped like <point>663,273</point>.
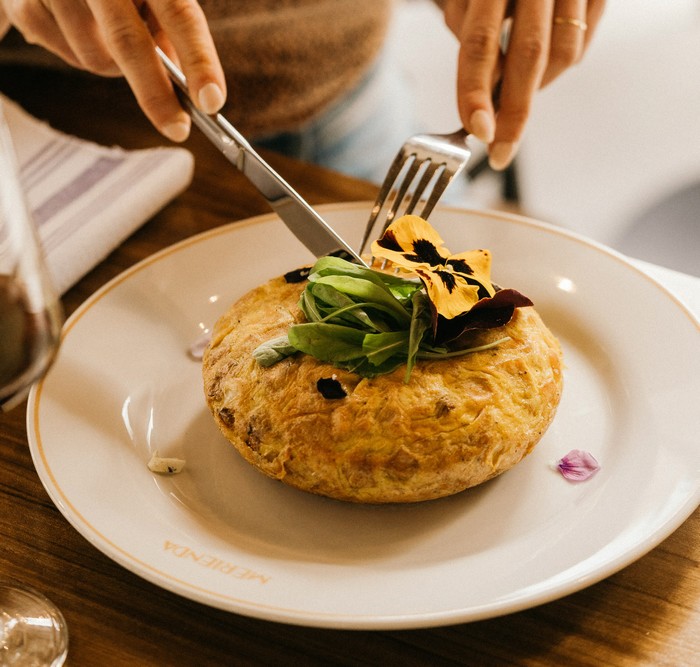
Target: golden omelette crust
<point>457,423</point>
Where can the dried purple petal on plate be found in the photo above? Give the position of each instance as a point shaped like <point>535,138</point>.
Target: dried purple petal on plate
<point>578,465</point>
<point>197,347</point>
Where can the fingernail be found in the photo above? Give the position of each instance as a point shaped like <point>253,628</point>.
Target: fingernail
<point>501,154</point>
<point>178,130</point>
<point>211,98</point>
<point>481,124</point>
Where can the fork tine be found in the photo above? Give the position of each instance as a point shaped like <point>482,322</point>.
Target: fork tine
<point>401,192</point>
<point>424,182</point>
<point>445,178</point>
<point>391,175</point>
<point>440,186</point>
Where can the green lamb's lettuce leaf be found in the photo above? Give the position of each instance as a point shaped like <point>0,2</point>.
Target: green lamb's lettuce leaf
<point>274,350</point>
<point>331,305</point>
<point>378,348</point>
<point>335,266</point>
<point>327,342</point>
<point>420,323</point>
<point>310,307</point>
<point>367,290</point>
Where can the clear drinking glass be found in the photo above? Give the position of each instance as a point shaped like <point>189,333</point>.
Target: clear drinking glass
<point>32,630</point>
<point>30,312</point>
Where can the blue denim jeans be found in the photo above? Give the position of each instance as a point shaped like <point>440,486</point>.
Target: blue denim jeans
<point>359,135</point>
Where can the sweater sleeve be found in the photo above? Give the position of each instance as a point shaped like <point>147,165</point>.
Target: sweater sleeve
<point>4,23</point>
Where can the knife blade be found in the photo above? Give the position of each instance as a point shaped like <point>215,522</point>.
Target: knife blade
<point>302,220</point>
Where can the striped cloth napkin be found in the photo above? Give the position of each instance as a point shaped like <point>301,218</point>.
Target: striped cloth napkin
<point>86,198</point>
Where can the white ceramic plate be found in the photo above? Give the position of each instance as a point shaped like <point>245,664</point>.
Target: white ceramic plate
<point>225,535</point>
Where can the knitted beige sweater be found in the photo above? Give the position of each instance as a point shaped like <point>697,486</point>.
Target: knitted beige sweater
<point>287,60</point>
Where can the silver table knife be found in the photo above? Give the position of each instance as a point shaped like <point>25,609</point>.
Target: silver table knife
<point>304,222</point>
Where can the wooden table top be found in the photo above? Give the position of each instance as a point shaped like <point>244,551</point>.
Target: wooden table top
<point>647,614</point>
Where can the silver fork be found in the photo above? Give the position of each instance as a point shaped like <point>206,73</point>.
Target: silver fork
<point>421,171</point>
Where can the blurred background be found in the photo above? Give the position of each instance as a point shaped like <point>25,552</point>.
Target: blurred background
<point>612,150</point>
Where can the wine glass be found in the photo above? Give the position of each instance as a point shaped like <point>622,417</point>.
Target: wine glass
<point>32,630</point>
<point>30,312</point>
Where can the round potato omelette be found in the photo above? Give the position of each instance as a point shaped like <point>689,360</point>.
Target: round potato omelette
<point>457,423</point>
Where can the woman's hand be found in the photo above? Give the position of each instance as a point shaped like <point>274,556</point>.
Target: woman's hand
<point>546,38</point>
<point>118,37</point>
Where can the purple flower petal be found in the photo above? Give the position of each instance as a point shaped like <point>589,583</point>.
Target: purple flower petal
<point>197,347</point>
<point>578,466</point>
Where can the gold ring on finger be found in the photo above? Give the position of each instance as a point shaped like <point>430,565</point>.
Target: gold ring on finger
<point>565,20</point>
